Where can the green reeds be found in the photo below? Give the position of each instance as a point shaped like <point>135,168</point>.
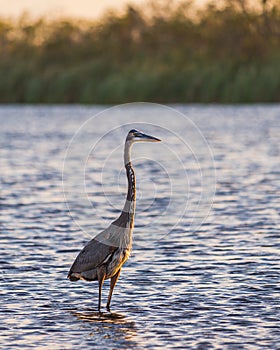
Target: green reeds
<point>220,54</point>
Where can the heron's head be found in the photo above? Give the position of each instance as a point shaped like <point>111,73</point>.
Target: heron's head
<point>137,136</point>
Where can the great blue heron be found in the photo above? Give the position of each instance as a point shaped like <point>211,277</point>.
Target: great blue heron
<point>104,256</point>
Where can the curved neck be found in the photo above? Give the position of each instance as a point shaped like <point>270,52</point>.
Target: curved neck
<point>131,190</point>
<point>126,219</point>
<point>127,152</point>
<point>129,207</point>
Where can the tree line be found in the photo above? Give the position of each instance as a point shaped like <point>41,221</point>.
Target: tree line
<point>225,52</point>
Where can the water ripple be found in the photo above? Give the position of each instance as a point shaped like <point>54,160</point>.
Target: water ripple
<point>216,288</point>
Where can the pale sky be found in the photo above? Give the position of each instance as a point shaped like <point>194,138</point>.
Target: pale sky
<point>74,8</point>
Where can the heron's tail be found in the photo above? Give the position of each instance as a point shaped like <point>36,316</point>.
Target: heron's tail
<point>72,276</point>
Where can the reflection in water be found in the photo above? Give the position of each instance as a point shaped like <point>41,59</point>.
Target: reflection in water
<point>109,325</point>
<point>95,316</point>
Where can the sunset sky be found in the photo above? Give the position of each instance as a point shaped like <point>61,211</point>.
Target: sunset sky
<point>74,8</point>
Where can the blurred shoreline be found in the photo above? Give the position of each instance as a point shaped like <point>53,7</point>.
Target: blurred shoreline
<point>219,54</point>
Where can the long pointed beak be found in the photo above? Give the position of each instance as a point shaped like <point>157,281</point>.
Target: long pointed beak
<point>149,138</point>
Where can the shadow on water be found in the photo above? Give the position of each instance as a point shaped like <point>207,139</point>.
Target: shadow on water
<point>109,325</point>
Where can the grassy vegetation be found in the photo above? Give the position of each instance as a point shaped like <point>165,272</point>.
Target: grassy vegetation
<point>166,53</point>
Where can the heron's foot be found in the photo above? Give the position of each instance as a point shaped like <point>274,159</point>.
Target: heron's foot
<point>108,308</point>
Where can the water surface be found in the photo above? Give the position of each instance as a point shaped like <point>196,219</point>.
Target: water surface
<point>209,285</point>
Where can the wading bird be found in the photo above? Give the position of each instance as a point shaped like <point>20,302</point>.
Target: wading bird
<point>104,256</point>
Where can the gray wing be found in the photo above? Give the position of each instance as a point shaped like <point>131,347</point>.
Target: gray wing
<point>91,256</point>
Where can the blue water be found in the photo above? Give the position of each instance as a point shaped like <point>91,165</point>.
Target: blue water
<point>204,271</point>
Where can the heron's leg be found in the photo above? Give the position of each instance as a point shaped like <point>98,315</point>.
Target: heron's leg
<point>101,273</point>
<point>112,286</point>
